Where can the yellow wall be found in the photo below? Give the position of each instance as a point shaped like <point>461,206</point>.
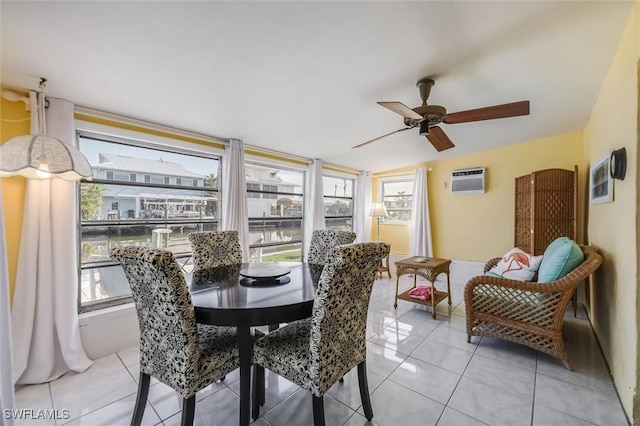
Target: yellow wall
<point>15,122</point>
<point>613,227</point>
<point>480,226</point>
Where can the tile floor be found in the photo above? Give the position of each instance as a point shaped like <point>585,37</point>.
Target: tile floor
<point>421,372</point>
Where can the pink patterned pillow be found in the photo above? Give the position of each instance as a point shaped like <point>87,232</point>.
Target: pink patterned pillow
<point>516,265</point>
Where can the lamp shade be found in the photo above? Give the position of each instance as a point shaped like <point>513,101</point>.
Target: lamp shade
<point>39,156</point>
<point>42,157</point>
<point>378,210</point>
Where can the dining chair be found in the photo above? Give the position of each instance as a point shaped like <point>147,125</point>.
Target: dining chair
<point>322,241</point>
<point>174,349</point>
<point>215,248</point>
<point>316,352</point>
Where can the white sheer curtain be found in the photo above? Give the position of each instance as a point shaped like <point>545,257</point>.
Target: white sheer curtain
<point>7,397</point>
<point>420,233</point>
<point>44,315</point>
<point>361,208</point>
<point>313,204</point>
<point>235,216</point>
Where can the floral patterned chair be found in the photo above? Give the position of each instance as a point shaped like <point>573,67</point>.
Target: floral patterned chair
<point>215,248</point>
<point>173,348</point>
<point>317,352</point>
<point>322,241</point>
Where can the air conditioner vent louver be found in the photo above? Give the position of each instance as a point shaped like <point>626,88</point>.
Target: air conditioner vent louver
<point>468,181</point>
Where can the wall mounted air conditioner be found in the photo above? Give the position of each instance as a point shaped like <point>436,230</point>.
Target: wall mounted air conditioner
<point>468,181</point>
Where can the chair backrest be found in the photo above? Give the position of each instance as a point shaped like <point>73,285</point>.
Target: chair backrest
<point>322,241</point>
<point>339,318</point>
<point>168,331</point>
<point>215,248</point>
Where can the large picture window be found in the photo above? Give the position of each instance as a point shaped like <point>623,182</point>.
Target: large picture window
<point>397,195</point>
<point>139,195</point>
<point>274,200</point>
<point>338,202</point>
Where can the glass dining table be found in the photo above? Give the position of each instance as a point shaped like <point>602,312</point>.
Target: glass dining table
<point>250,295</point>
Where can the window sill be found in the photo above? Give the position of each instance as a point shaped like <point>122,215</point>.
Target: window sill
<point>105,314</point>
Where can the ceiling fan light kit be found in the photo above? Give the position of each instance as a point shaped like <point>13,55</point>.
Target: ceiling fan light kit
<point>427,117</point>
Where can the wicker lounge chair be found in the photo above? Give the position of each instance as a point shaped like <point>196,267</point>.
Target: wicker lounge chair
<point>525,312</point>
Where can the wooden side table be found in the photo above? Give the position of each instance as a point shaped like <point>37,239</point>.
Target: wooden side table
<point>428,268</point>
<point>384,267</point>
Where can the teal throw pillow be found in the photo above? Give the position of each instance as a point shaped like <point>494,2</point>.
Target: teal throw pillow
<point>561,257</point>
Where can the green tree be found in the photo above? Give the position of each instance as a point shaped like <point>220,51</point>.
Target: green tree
<point>211,180</point>
<point>90,200</point>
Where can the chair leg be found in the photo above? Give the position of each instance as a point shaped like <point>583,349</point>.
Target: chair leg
<point>188,410</point>
<point>257,399</point>
<point>318,410</point>
<point>364,390</point>
<point>141,399</point>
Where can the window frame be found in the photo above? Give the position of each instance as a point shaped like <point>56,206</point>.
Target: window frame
<point>352,178</point>
<point>255,194</point>
<point>381,196</point>
<point>143,140</point>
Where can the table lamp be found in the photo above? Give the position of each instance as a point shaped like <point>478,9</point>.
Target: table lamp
<point>378,211</point>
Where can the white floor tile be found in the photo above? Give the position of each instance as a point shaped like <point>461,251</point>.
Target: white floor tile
<point>117,413</point>
<point>451,417</point>
<point>349,392</point>
<point>443,356</point>
<point>514,380</point>
<point>382,360</point>
<point>297,410</point>
<point>33,398</point>
<point>577,401</point>
<point>491,405</point>
<point>395,405</point>
<point>106,381</point>
<point>426,379</point>
<point>221,409</point>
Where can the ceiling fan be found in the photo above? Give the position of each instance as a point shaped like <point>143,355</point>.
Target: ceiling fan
<point>427,117</point>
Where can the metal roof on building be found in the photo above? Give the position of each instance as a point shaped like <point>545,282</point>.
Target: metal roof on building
<point>143,165</point>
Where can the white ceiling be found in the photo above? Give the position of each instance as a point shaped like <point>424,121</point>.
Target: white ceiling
<point>304,77</point>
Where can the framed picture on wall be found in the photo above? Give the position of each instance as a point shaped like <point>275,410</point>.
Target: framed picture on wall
<point>600,182</point>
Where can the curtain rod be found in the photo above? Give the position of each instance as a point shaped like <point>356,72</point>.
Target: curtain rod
<point>187,133</point>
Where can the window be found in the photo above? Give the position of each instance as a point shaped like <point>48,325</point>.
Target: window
<point>338,202</point>
<point>253,190</point>
<point>126,210</point>
<point>270,188</point>
<point>397,195</point>
<point>275,218</point>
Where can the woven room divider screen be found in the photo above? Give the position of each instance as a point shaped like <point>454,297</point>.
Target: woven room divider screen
<point>546,205</point>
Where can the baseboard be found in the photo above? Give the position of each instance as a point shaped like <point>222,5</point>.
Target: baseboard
<point>109,330</point>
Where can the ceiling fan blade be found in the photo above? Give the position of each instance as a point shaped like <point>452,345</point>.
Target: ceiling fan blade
<point>488,113</point>
<point>439,139</point>
<point>402,109</point>
<point>380,137</point>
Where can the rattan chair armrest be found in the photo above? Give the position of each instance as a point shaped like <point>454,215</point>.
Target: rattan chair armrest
<point>491,263</point>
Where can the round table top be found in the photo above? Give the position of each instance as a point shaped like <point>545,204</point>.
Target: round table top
<point>220,298</point>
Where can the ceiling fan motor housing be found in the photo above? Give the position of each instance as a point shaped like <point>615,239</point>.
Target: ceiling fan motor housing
<point>430,113</point>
